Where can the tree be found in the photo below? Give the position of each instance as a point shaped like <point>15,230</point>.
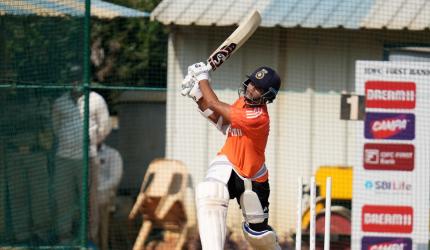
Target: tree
<point>129,51</point>
<point>39,50</point>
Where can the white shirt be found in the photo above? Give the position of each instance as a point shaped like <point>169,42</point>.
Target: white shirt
<point>110,173</point>
<point>99,122</point>
<point>68,127</point>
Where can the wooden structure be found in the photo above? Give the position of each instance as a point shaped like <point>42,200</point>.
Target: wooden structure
<point>161,203</point>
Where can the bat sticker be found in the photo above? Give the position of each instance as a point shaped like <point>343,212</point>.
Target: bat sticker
<point>223,54</point>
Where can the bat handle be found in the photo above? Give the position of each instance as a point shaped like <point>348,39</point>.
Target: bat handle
<point>209,67</point>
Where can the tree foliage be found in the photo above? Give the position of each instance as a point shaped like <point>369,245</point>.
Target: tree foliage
<point>43,49</point>
<point>39,50</point>
<point>129,51</point>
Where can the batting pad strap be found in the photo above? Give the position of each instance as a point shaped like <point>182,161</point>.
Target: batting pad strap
<point>261,240</point>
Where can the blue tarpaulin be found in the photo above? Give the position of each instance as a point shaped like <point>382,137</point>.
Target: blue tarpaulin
<point>99,8</point>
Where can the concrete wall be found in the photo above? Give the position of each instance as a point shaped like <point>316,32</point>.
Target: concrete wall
<point>316,67</point>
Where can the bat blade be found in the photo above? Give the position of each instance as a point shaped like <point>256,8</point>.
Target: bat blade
<point>242,33</point>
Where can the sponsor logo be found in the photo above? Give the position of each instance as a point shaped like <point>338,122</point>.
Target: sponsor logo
<point>388,156</point>
<point>234,132</point>
<point>387,219</point>
<point>368,184</point>
<point>260,74</point>
<point>386,243</point>
<point>220,56</point>
<point>390,95</point>
<point>385,186</point>
<point>390,126</point>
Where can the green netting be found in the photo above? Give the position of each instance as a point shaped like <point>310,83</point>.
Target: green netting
<point>40,193</point>
<point>46,165</point>
<point>40,50</point>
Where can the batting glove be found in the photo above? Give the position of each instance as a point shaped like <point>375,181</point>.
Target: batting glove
<point>195,92</point>
<point>187,84</point>
<point>190,87</point>
<point>199,71</point>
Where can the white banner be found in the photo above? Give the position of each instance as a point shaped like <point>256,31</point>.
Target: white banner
<point>391,174</point>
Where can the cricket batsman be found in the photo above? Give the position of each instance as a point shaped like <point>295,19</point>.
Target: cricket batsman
<point>239,170</point>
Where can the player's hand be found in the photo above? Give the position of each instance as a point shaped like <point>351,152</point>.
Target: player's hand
<point>199,71</point>
<point>195,92</point>
<point>187,85</point>
<point>190,87</point>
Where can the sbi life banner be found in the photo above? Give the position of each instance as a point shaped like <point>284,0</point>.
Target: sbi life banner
<point>392,170</point>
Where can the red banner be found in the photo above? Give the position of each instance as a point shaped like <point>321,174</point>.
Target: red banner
<point>398,157</point>
<point>387,219</point>
<point>390,95</point>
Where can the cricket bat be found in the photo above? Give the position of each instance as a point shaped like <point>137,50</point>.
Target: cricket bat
<point>242,33</point>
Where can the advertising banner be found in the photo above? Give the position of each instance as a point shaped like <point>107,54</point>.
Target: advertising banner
<point>390,208</point>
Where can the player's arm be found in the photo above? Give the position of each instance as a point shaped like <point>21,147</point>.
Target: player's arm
<point>220,123</point>
<point>211,101</point>
<point>191,87</point>
<point>203,105</point>
<point>196,85</point>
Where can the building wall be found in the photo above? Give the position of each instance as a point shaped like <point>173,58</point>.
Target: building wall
<point>316,66</point>
<point>141,134</point>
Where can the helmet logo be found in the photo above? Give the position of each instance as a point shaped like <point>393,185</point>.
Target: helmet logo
<point>260,74</point>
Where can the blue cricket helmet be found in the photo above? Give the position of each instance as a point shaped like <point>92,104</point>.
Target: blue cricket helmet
<point>268,80</point>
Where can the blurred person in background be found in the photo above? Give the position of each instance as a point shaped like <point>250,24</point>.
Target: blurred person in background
<point>25,148</point>
<point>239,170</point>
<point>68,115</point>
<point>99,129</point>
<point>67,173</point>
<point>110,173</point>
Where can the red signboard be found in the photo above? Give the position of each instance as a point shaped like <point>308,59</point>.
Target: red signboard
<point>378,156</point>
<point>387,219</point>
<point>390,94</point>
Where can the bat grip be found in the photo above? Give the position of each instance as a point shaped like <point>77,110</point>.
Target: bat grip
<point>209,67</point>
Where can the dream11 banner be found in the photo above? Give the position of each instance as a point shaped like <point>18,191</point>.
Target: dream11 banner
<point>390,204</point>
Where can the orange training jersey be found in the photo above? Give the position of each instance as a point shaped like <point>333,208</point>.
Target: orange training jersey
<point>247,138</point>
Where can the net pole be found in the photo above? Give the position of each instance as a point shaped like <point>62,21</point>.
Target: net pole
<point>86,83</point>
<point>312,215</point>
<point>299,213</point>
<point>327,214</point>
